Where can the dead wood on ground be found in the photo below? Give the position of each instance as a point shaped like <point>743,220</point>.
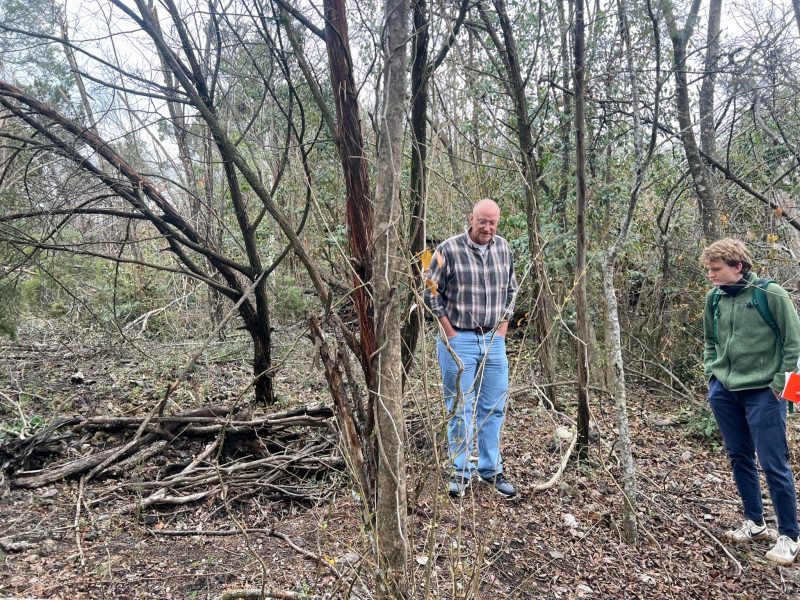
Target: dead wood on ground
<point>281,456</point>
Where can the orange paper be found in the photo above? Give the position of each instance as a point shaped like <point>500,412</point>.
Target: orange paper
<point>791,389</point>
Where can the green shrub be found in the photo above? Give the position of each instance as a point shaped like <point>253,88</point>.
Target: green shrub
<point>289,303</point>
<point>702,425</point>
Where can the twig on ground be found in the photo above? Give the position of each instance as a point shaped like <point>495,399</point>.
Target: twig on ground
<point>160,497</point>
<point>661,383</point>
<point>307,416</point>
<point>304,552</point>
<point>719,543</point>
<point>263,594</point>
<point>142,456</point>
<point>209,533</point>
<point>554,479</point>
<point>229,532</point>
<point>23,429</point>
<point>728,501</point>
<point>77,521</point>
<point>92,461</point>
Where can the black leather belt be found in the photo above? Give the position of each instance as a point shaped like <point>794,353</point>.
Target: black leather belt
<point>478,329</point>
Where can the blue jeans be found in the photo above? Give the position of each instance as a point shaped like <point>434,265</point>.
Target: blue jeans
<point>754,422</point>
<point>475,399</point>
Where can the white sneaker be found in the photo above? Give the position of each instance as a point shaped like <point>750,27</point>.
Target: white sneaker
<point>750,531</point>
<point>784,551</point>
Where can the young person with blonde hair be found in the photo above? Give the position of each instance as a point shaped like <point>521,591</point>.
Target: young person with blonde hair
<point>752,338</point>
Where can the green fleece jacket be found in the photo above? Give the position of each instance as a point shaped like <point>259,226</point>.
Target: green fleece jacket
<point>746,354</point>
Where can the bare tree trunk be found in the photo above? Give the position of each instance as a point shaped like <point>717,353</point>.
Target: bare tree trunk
<point>349,431</point>
<point>76,74</point>
<point>581,304</point>
<point>216,308</point>
<point>421,71</point>
<point>261,335</point>
<point>177,116</point>
<point>350,141</point>
<point>387,383</point>
<point>708,135</point>
<point>612,310</point>
<point>625,446</point>
<point>544,307</point>
<point>474,116</point>
<point>419,153</point>
<point>796,6</point>
<point>704,184</point>
<point>560,206</point>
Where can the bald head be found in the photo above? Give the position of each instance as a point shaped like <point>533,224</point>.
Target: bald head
<point>486,205</point>
<point>483,221</point>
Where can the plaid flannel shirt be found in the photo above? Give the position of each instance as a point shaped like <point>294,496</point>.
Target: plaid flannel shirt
<point>472,289</point>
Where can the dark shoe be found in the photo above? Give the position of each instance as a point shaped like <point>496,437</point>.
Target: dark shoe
<point>502,485</point>
<point>458,486</point>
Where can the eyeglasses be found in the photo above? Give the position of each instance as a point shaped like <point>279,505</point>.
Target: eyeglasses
<point>485,222</point>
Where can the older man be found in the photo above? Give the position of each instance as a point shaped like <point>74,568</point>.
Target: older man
<point>471,288</point>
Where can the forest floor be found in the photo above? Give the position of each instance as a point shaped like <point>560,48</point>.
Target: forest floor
<point>75,540</point>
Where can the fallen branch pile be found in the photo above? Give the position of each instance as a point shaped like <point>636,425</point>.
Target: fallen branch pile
<point>185,457</point>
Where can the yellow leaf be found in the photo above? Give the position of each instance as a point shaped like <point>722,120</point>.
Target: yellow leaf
<point>772,238</point>
<point>425,258</point>
<point>723,218</point>
<point>439,259</point>
<point>432,286</point>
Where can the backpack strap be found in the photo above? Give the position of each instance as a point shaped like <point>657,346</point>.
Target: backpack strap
<point>712,307</point>
<point>761,302</point>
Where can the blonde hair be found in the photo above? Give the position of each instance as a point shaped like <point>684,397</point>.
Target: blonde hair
<point>730,251</point>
